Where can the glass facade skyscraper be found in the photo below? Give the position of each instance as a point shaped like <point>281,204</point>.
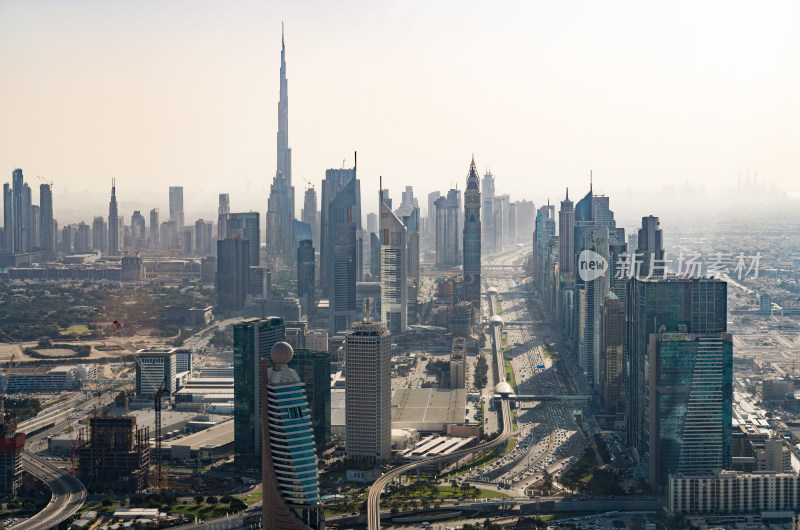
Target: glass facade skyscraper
<point>690,417</point>
<point>252,341</point>
<point>314,369</point>
<point>696,307</point>
<point>290,480</point>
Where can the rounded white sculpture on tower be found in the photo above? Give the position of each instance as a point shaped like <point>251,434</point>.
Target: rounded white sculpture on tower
<point>281,354</point>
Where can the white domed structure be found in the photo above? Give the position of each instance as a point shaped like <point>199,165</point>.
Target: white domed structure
<point>497,319</point>
<point>281,354</point>
<point>492,290</point>
<point>503,388</point>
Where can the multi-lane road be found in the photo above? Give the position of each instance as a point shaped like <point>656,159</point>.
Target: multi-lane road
<point>374,498</point>
<point>68,494</point>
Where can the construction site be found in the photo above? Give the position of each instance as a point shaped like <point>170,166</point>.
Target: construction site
<point>113,455</point>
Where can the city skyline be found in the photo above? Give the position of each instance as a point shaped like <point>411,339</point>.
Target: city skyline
<point>651,90</point>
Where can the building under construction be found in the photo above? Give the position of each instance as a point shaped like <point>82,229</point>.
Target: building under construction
<point>12,444</point>
<point>113,455</point>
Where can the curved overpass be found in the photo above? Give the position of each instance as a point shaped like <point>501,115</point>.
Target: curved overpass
<point>68,493</point>
<point>374,498</point>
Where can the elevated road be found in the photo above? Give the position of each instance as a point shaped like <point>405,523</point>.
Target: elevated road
<point>68,494</point>
<point>374,498</point>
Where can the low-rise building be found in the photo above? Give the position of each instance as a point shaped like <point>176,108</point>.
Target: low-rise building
<point>733,492</point>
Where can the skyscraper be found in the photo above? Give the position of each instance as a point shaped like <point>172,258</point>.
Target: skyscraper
<point>368,387</point>
<point>566,241</point>
<point>99,236</point>
<point>154,226</point>
<point>313,365</point>
<point>8,217</point>
<point>113,222</point>
<point>20,227</point>
<point>280,229</point>
<point>344,215</point>
<point>284,153</point>
<point>394,271</point>
<point>137,227</point>
<point>650,248</point>
<point>176,206</point>
<point>233,259</point>
<point>222,215</point>
<point>289,473</point>
<point>472,239</point>
<point>430,225</point>
<point>306,276</point>
<point>47,239</point>
<point>247,225</point>
<point>670,376</point>
<point>447,215</point>
<point>310,214</point>
<point>613,348</point>
<point>252,341</point>
<point>334,182</point>
<point>487,195</point>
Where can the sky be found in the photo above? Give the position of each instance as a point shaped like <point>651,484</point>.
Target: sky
<point>686,95</point>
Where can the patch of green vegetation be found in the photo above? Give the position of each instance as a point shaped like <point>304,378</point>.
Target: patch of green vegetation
<point>510,375</point>
<point>78,329</point>
<point>481,377</point>
<point>585,476</point>
<point>24,408</point>
<point>498,308</point>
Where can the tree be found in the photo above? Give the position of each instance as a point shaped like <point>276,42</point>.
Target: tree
<point>212,500</point>
<point>547,481</point>
<point>199,499</point>
<point>238,505</point>
<point>107,502</point>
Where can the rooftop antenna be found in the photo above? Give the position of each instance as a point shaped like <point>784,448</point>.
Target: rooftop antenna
<point>590,181</point>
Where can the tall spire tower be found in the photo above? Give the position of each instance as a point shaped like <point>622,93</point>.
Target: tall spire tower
<point>472,238</point>
<point>284,153</point>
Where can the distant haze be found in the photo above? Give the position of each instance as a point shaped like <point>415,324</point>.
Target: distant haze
<point>667,103</point>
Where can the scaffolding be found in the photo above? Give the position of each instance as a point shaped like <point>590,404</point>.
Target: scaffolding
<point>113,455</point>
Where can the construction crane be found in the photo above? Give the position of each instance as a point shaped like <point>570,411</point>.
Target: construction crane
<point>162,391</point>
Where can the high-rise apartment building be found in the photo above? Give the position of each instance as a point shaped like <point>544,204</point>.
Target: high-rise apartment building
<point>472,238</point>
<point>252,341</point>
<point>394,271</point>
<point>113,222</point>
<point>368,388</point>
<point>290,479</point>
<point>176,206</point>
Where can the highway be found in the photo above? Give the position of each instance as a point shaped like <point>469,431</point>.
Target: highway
<point>68,496</point>
<point>374,498</point>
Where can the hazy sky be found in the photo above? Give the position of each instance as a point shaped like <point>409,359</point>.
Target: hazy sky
<point>159,93</point>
